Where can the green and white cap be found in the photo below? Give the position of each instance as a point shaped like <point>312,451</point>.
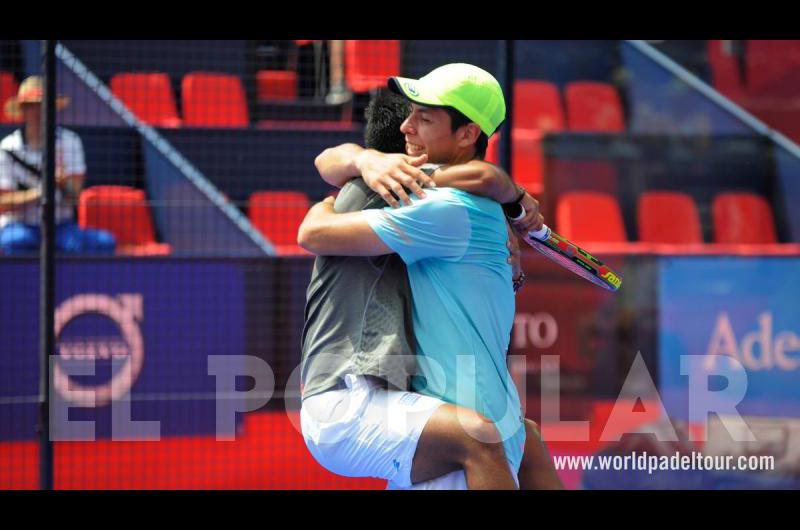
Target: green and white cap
<point>470,90</point>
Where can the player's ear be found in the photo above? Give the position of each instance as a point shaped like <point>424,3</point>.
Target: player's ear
<point>468,134</point>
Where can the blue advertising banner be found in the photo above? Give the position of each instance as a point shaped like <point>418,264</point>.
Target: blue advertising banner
<point>736,320</point>
<point>145,327</point>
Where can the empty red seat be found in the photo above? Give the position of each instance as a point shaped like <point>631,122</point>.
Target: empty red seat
<point>590,217</point>
<point>743,218</point>
<point>214,100</point>
<point>537,111</point>
<point>8,89</point>
<point>537,105</point>
<point>526,156</point>
<point>276,85</point>
<point>528,159</point>
<point>767,62</point>
<point>593,107</point>
<point>493,149</point>
<point>124,212</point>
<point>566,175</point>
<point>278,215</point>
<point>149,96</point>
<point>668,217</point>
<point>369,63</point>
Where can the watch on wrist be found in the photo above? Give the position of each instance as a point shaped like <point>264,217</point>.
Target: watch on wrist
<point>519,281</point>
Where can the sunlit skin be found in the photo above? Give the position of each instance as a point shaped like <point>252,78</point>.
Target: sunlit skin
<point>427,131</point>
<point>32,115</point>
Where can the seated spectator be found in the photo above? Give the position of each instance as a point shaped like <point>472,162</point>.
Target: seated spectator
<point>339,91</point>
<point>21,182</point>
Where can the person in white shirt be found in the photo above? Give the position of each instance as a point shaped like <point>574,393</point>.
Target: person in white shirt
<point>21,182</point>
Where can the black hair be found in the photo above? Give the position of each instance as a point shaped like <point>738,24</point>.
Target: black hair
<point>385,113</point>
<point>457,119</point>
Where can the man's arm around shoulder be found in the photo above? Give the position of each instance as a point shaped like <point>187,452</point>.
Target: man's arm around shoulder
<point>327,233</point>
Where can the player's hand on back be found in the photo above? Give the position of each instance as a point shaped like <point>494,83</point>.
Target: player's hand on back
<point>387,173</point>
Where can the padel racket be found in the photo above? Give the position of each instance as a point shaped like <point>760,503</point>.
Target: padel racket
<point>567,254</point>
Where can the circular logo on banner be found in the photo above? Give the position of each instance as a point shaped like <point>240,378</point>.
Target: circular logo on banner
<point>126,312</point>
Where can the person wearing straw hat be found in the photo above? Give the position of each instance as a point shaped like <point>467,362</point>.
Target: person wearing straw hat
<point>21,181</point>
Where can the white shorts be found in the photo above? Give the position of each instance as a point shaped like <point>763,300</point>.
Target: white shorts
<point>366,430</point>
<point>457,480</point>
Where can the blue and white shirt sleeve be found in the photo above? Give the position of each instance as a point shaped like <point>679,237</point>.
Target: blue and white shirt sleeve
<point>437,226</point>
<point>71,149</point>
<point>6,166</point>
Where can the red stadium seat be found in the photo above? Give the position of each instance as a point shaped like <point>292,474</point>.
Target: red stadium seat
<point>214,100</point>
<point>725,72</point>
<point>743,218</point>
<point>278,215</point>
<point>368,63</point>
<point>149,96</point>
<point>669,217</point>
<point>537,111</point>
<point>124,212</point>
<point>276,85</point>
<point>767,62</point>
<point>566,175</point>
<point>590,217</point>
<point>593,107</point>
<point>8,88</point>
<point>493,149</point>
<point>526,158</point>
<point>537,105</point>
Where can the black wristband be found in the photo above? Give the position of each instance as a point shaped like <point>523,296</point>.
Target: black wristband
<point>521,191</point>
<point>513,209</point>
<point>519,198</point>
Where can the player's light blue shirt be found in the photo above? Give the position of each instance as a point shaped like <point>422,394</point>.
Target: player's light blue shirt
<point>454,246</point>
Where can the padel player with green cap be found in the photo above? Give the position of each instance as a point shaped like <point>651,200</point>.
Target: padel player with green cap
<point>453,243</point>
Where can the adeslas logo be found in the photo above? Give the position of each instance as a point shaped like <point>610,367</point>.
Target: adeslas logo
<point>760,349</point>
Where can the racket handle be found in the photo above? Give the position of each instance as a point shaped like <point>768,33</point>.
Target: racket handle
<point>516,211</point>
<point>542,234</point>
